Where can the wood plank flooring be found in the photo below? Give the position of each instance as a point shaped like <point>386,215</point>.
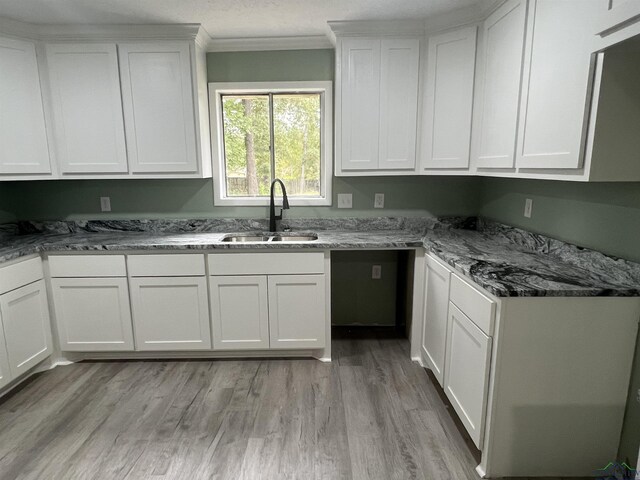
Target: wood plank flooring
<point>371,414</point>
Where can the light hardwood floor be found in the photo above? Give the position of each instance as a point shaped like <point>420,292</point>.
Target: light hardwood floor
<point>371,414</point>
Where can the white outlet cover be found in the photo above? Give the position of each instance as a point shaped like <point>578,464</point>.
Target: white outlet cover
<point>378,201</point>
<point>528,207</point>
<point>376,272</point>
<point>345,200</point>
<point>105,204</point>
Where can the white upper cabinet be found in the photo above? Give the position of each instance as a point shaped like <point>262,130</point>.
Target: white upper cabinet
<point>398,103</point>
<point>23,136</point>
<point>85,92</point>
<point>620,22</point>
<point>557,82</point>
<point>360,109</point>
<point>158,102</point>
<point>377,98</point>
<point>503,36</point>
<point>448,100</point>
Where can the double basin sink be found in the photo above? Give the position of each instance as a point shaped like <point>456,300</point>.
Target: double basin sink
<point>257,237</point>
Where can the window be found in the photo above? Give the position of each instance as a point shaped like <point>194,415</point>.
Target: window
<point>262,131</point>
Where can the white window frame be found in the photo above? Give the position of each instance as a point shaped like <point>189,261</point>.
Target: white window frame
<point>217,89</point>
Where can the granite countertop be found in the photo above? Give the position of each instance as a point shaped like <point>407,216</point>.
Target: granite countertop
<point>504,260</point>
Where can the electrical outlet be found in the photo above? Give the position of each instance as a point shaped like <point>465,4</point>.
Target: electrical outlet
<point>528,207</point>
<point>105,204</point>
<point>376,272</point>
<point>378,202</point>
<point>638,396</point>
<point>345,200</point>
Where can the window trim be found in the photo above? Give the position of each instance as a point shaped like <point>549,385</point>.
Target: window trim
<point>217,89</point>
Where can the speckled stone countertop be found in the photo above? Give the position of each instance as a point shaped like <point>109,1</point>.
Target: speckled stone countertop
<point>504,260</point>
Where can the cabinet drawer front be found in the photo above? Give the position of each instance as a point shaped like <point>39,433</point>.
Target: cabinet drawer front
<point>479,308</point>
<point>265,263</point>
<point>19,274</point>
<point>165,265</point>
<point>87,266</point>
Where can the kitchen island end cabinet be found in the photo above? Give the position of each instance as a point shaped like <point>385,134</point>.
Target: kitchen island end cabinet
<point>531,377</point>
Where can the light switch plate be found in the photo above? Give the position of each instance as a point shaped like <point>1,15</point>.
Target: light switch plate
<point>378,201</point>
<point>528,207</point>
<point>345,200</point>
<point>105,204</point>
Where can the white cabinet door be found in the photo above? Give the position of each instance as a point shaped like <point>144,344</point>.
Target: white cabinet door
<point>85,91</point>
<point>170,313</point>
<point>239,312</point>
<point>297,309</point>
<point>557,82</point>
<point>503,44</point>
<point>448,102</point>
<point>5,372</point>
<point>466,374</point>
<point>157,97</point>
<point>434,333</point>
<point>23,136</point>
<point>93,314</point>
<point>399,63</point>
<point>360,103</point>
<point>27,331</point>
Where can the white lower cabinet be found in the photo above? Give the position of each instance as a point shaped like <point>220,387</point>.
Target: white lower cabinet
<point>5,373</point>
<point>27,331</point>
<point>297,311</point>
<point>456,342</point>
<point>466,375</point>
<point>170,313</point>
<point>93,314</point>
<point>270,300</point>
<point>434,333</point>
<point>239,312</point>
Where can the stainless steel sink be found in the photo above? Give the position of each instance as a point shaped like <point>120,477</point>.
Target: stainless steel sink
<point>246,237</point>
<point>307,237</point>
<point>254,237</point>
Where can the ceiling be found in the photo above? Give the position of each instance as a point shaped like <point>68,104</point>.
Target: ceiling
<point>227,18</point>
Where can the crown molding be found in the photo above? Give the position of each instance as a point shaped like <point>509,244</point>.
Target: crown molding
<point>102,33</point>
<point>470,15</point>
<point>15,28</point>
<point>268,43</point>
<point>377,27</point>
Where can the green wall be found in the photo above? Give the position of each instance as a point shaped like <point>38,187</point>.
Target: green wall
<point>270,66</point>
<point>80,199</point>
<point>603,216</point>
<point>356,298</point>
<point>6,215</point>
